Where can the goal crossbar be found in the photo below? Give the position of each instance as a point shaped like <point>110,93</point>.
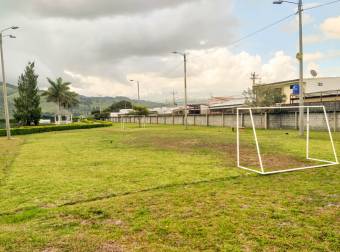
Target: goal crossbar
<point>263,172</point>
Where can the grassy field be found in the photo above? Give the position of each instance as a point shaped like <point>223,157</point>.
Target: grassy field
<point>164,189</point>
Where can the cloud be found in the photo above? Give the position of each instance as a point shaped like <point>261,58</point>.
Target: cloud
<point>328,29</point>
<point>106,43</point>
<point>331,27</point>
<point>112,46</point>
<point>313,56</point>
<point>293,26</point>
<point>97,86</point>
<point>280,67</point>
<point>85,9</point>
<point>318,56</point>
<point>313,39</point>
<point>214,71</point>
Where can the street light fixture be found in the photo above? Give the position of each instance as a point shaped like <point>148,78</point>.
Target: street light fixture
<point>185,88</point>
<point>137,87</point>
<point>280,2</point>
<point>300,58</point>
<point>4,84</point>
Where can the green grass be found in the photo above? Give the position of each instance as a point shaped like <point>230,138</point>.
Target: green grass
<point>162,189</point>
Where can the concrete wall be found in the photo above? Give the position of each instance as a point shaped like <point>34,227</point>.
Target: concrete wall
<point>261,120</point>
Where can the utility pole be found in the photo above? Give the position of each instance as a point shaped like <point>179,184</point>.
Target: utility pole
<point>4,92</point>
<point>173,98</point>
<point>4,84</point>
<point>301,89</point>
<point>254,77</point>
<point>137,88</point>
<point>185,89</point>
<point>299,56</point>
<point>185,92</point>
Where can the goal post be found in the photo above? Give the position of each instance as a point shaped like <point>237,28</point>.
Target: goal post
<point>126,120</point>
<point>252,121</point>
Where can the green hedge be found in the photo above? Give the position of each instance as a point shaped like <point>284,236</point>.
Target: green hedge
<point>49,128</point>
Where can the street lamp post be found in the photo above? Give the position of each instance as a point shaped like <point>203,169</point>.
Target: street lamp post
<point>185,89</point>
<point>4,85</point>
<point>137,88</point>
<point>300,58</point>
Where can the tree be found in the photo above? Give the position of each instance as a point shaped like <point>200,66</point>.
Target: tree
<point>98,115</point>
<point>249,96</point>
<point>70,101</point>
<point>272,97</point>
<point>140,110</point>
<point>27,104</point>
<point>59,93</point>
<point>115,107</point>
<point>263,97</point>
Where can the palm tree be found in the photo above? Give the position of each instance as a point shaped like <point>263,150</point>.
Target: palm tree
<point>70,101</point>
<point>59,93</point>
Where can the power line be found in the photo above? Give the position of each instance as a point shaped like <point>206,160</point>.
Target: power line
<point>322,5</point>
<point>261,29</point>
<point>278,22</point>
<point>252,34</point>
<point>273,24</point>
<point>257,31</point>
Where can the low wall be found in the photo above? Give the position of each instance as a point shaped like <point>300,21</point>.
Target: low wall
<point>263,120</point>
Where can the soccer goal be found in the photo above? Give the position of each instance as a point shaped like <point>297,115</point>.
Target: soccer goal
<point>268,139</point>
<point>140,120</point>
<point>123,122</point>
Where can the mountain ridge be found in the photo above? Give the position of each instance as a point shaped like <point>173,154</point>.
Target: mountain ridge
<point>87,103</point>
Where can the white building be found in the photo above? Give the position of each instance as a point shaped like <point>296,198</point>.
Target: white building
<point>121,112</point>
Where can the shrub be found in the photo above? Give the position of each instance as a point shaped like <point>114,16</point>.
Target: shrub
<point>48,128</point>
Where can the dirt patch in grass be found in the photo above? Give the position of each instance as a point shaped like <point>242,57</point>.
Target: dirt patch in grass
<point>227,151</point>
<point>271,161</point>
<point>50,250</point>
<point>111,247</point>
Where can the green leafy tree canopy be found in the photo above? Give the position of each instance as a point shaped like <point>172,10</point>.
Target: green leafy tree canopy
<point>59,93</point>
<point>115,107</point>
<point>27,104</point>
<point>140,110</point>
<point>263,97</point>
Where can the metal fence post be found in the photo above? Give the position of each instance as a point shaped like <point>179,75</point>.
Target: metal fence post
<point>335,121</point>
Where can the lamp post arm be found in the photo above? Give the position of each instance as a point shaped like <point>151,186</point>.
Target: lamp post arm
<point>290,2</point>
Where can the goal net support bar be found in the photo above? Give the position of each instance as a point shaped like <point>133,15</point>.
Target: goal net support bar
<point>258,151</point>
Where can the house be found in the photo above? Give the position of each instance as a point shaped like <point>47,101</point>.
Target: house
<point>193,109</point>
<point>317,90</point>
<point>121,112</point>
<point>161,111</point>
<point>227,106</point>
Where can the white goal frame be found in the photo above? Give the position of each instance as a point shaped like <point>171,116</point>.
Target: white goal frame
<point>263,172</point>
<point>124,121</point>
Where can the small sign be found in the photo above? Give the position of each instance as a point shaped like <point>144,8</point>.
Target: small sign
<point>296,89</point>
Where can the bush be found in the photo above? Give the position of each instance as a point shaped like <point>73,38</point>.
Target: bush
<point>48,128</point>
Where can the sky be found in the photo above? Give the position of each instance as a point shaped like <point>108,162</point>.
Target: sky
<point>100,45</point>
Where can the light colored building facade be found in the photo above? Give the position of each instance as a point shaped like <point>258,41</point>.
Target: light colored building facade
<point>321,89</point>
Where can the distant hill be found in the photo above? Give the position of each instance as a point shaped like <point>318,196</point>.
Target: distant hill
<point>87,104</point>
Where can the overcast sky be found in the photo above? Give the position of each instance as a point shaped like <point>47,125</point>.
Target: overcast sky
<point>100,45</point>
